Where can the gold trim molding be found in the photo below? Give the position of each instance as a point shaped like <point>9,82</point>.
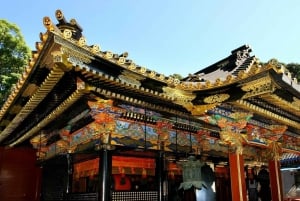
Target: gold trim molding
<point>258,87</point>
<point>255,109</point>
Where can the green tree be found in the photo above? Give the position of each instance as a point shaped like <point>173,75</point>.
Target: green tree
<point>14,56</point>
<point>176,76</point>
<point>294,68</point>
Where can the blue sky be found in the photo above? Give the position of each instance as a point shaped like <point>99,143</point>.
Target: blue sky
<point>172,36</point>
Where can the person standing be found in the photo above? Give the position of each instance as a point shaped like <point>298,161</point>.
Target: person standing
<point>252,188</point>
<point>264,181</point>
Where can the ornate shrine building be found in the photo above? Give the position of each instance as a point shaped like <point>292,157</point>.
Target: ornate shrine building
<point>88,124</point>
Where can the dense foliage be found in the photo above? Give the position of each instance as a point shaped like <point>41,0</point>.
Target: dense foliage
<point>294,68</point>
<point>176,76</point>
<point>14,55</point>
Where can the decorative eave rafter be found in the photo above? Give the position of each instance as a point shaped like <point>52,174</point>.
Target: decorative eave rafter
<point>53,77</point>
<point>91,74</point>
<point>24,79</point>
<point>258,87</point>
<point>58,111</point>
<point>115,88</point>
<point>291,107</point>
<point>139,102</point>
<point>266,113</point>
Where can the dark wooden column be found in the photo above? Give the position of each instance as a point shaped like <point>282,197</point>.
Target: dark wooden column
<point>105,166</point>
<point>70,172</point>
<point>160,175</point>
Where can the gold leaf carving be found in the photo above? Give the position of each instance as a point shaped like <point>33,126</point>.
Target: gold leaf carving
<point>82,41</point>
<point>179,96</point>
<point>62,60</point>
<point>67,34</point>
<point>258,87</point>
<point>217,98</point>
<point>274,150</point>
<point>50,26</point>
<point>95,49</point>
<point>296,103</point>
<point>199,109</point>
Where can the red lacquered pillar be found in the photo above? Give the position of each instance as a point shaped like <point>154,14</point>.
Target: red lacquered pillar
<point>275,180</point>
<point>237,177</point>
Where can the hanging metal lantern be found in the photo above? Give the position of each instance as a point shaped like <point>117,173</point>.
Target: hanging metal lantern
<point>191,172</point>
